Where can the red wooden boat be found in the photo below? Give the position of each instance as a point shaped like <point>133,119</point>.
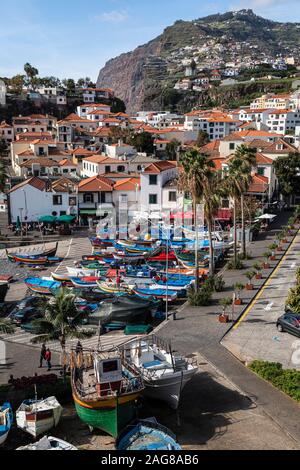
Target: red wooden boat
<point>163,257</point>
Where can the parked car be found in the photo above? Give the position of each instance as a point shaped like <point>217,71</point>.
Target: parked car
<point>31,328</point>
<point>289,323</point>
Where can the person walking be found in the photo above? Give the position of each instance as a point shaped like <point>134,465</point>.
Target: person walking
<point>42,355</point>
<point>48,356</point>
<point>79,348</point>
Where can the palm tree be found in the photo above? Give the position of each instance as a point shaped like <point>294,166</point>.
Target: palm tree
<point>248,156</point>
<point>6,327</point>
<point>235,184</point>
<point>201,179</point>
<point>61,321</point>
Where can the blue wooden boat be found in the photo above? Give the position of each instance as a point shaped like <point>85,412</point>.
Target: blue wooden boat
<point>85,282</point>
<point>42,286</point>
<point>160,294</point>
<point>147,434</point>
<point>6,420</point>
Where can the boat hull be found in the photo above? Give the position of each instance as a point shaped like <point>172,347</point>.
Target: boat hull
<point>110,416</point>
<point>169,388</point>
<point>39,422</point>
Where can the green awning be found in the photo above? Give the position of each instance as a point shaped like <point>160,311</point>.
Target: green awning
<point>88,212</point>
<point>48,219</point>
<point>66,219</point>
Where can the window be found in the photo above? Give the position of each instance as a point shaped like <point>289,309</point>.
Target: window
<point>261,171</point>
<point>41,151</point>
<point>72,201</point>
<point>57,200</point>
<point>153,180</point>
<point>121,169</point>
<point>225,203</point>
<point>172,196</point>
<point>152,199</point>
<point>231,146</point>
<point>88,198</point>
<point>123,198</point>
<point>107,169</point>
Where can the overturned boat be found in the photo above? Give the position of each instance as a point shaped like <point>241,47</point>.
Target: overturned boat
<point>38,416</point>
<point>49,443</point>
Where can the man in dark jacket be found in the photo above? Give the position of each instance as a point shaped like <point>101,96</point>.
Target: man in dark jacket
<point>43,355</point>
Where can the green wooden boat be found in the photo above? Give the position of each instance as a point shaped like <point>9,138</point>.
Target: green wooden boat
<point>105,391</point>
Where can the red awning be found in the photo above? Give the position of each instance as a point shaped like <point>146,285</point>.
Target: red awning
<point>224,214</point>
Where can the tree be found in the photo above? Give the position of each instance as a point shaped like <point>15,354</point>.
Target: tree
<point>172,149</point>
<point>199,176</point>
<point>3,176</point>
<point>248,157</point>
<point>16,84</point>
<point>202,139</point>
<point>50,82</point>
<point>287,172</point>
<point>62,321</point>
<point>6,327</point>
<point>143,142</point>
<point>69,84</point>
<point>118,106</point>
<point>31,73</point>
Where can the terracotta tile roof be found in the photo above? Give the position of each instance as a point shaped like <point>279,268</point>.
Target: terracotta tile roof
<point>100,112</point>
<point>63,185</point>
<point>260,184</point>
<point>263,159</point>
<point>67,162</point>
<point>158,141</point>
<point>94,105</point>
<point>4,125</point>
<point>26,153</point>
<point>81,151</point>
<point>127,184</point>
<point>159,167</point>
<point>33,136</point>
<point>35,182</point>
<point>103,159</point>
<point>96,184</point>
<point>42,161</point>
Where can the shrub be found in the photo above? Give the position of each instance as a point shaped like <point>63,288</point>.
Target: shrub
<point>225,303</point>
<point>231,265</point>
<point>293,299</point>
<point>202,298</point>
<point>219,284</point>
<point>286,380</point>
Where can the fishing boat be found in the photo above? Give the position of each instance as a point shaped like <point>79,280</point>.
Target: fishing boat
<point>163,257</point>
<point>30,260</point>
<point>129,257</point>
<point>112,288</point>
<point>81,272</point>
<point>85,282</point>
<point>160,294</point>
<point>6,420</point>
<point>147,434</point>
<point>105,390</point>
<point>42,286</point>
<point>38,416</point>
<point>91,294</point>
<point>45,254</point>
<point>49,443</point>
<point>128,309</point>
<point>61,277</point>
<point>165,375</point>
<point>101,242</point>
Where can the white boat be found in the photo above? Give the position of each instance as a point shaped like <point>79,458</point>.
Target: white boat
<point>165,375</point>
<point>38,416</point>
<point>49,443</point>
<point>81,272</point>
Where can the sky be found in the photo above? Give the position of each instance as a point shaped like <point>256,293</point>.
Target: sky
<point>74,38</point>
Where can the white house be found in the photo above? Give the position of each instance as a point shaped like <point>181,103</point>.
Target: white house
<point>36,197</point>
<point>101,164</point>
<point>120,151</point>
<point>153,180</point>
<point>84,109</point>
<point>3,90</point>
<point>6,132</point>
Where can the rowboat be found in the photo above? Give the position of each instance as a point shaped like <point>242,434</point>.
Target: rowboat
<point>163,257</point>
<point>42,286</point>
<point>165,375</point>
<point>147,434</point>
<point>32,260</point>
<point>85,282</point>
<point>129,257</point>
<point>112,288</point>
<point>38,416</point>
<point>160,294</point>
<point>49,443</point>
<point>91,294</point>
<point>99,242</point>
<point>45,254</point>
<point>64,278</point>
<point>105,390</point>
<point>6,420</point>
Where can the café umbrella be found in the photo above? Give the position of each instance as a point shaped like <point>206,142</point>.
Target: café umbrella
<point>66,219</point>
<point>48,219</point>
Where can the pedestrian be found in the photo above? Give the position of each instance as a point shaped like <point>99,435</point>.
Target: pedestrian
<point>79,348</point>
<point>43,355</point>
<point>48,356</point>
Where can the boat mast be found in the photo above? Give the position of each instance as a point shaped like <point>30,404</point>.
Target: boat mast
<point>99,347</point>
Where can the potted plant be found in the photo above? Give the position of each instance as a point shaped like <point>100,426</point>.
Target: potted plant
<point>238,289</point>
<point>250,275</point>
<point>272,248</point>
<point>267,255</point>
<point>258,274</point>
<point>284,236</point>
<point>291,223</point>
<point>226,302</point>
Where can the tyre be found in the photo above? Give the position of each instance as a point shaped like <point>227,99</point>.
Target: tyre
<point>280,329</point>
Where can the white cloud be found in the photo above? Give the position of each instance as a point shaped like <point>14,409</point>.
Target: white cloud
<point>114,16</point>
